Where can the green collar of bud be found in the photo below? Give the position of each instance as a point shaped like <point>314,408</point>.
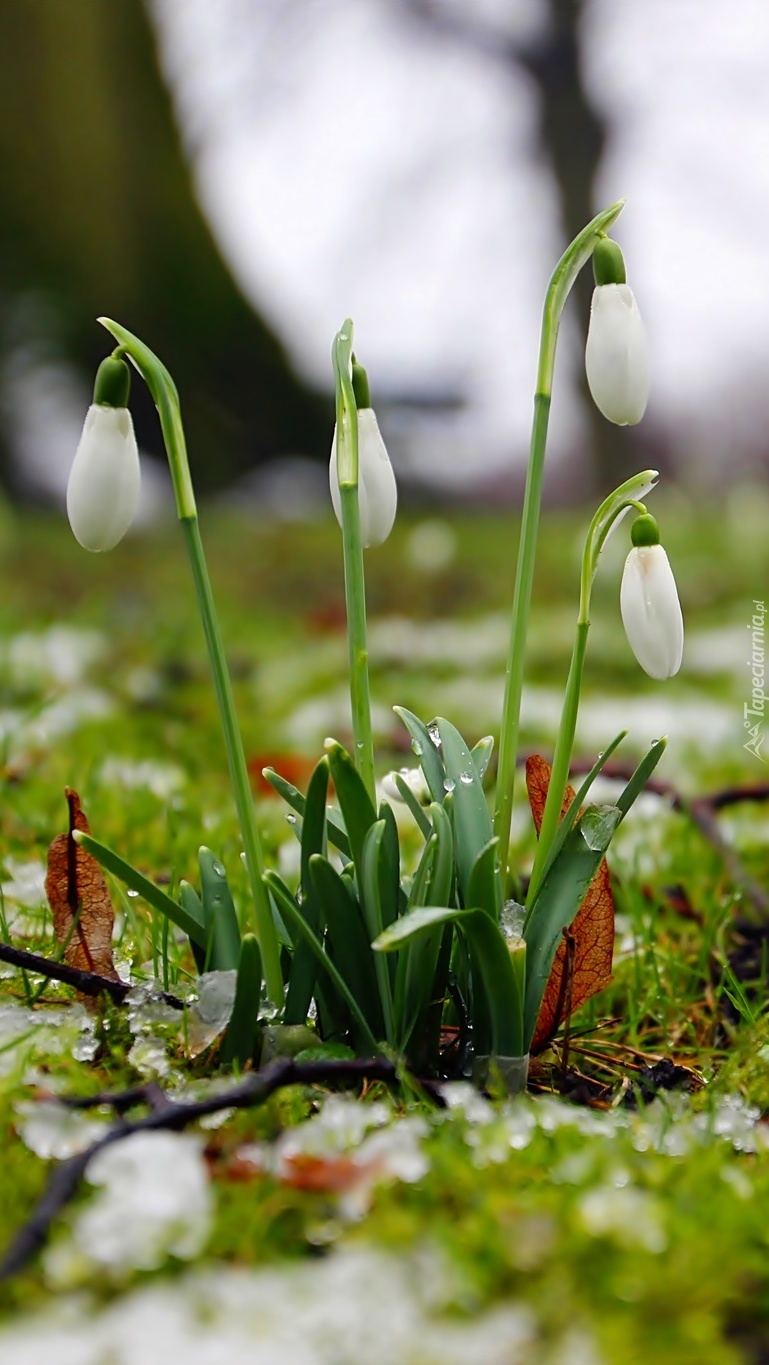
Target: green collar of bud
<point>608,262</point>
<point>645,531</point>
<point>113,383</point>
<point>360,386</point>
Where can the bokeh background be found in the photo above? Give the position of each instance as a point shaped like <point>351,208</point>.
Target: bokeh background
<point>231,178</point>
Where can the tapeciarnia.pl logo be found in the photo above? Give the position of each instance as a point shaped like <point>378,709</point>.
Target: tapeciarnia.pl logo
<point>754,711</point>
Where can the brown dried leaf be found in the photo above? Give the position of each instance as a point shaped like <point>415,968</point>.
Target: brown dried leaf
<point>332,1174</point>
<point>80,902</point>
<point>592,928</point>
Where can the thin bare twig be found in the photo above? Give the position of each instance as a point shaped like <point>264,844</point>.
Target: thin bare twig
<point>174,1115</point>
<point>88,983</point>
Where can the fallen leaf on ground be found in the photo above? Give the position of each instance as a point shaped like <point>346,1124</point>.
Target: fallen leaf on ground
<point>80,902</point>
<point>592,929</point>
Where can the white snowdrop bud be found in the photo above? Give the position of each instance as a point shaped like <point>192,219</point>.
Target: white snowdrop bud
<point>651,611</point>
<point>105,479</point>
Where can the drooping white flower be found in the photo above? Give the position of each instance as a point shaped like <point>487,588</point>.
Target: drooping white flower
<point>103,488</point>
<point>414,779</point>
<point>651,611</point>
<point>616,356</point>
<point>377,490</point>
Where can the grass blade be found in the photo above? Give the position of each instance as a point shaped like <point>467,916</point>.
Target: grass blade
<point>112,862</point>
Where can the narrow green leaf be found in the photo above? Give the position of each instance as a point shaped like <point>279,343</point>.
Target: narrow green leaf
<point>418,895</point>
<point>220,911</point>
<point>349,941</point>
<point>416,962</point>
<point>393,899</point>
<point>294,798</point>
<point>499,978</point>
<point>240,1039</point>
<point>441,888</point>
<point>112,862</point>
<point>481,753</point>
<point>314,822</point>
<point>375,886</point>
<point>292,913</point>
<point>303,972</point>
<point>565,885</point>
<point>483,883</point>
<point>191,902</point>
<point>425,749</point>
<point>415,922</point>
<point>415,981</point>
<point>641,776</point>
<point>579,800</point>
<point>417,810</point>
<point>561,894</point>
<point>472,817</point>
<point>354,801</point>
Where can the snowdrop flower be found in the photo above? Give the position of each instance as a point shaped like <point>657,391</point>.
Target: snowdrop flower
<point>377,491</point>
<point>103,488</point>
<point>414,779</point>
<point>616,356</point>
<point>651,611</point>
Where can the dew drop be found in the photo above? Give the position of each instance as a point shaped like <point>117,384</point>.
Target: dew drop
<point>435,734</point>
<point>217,869</point>
<point>418,747</point>
<point>466,778</point>
<point>291,819</point>
<point>131,892</point>
<point>449,784</point>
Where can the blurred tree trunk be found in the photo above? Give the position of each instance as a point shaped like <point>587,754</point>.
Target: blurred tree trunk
<point>573,134</point>
<point>99,217</point>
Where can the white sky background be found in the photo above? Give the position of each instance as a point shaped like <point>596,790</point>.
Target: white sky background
<point>352,164</point>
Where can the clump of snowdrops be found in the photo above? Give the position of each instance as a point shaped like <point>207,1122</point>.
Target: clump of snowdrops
<point>375,954</point>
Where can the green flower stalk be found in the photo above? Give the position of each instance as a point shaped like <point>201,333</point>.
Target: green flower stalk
<point>365,497</point>
<point>563,277</point>
<point>609,514</point>
<point>166,398</point>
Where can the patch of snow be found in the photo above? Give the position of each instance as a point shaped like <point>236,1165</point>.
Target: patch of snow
<point>162,779</point>
<point>351,1306</point>
<point>61,655</point>
<point>51,1130</point>
<point>154,1201</point>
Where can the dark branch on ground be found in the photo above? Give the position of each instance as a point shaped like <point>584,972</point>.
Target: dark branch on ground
<point>174,1115</point>
<point>88,983</point>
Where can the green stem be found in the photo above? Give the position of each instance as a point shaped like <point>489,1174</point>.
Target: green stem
<point>603,521</point>
<point>166,398</point>
<point>352,547</point>
<point>355,597</point>
<point>236,760</point>
<point>563,277</point>
<point>524,577</point>
<point>559,773</point>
